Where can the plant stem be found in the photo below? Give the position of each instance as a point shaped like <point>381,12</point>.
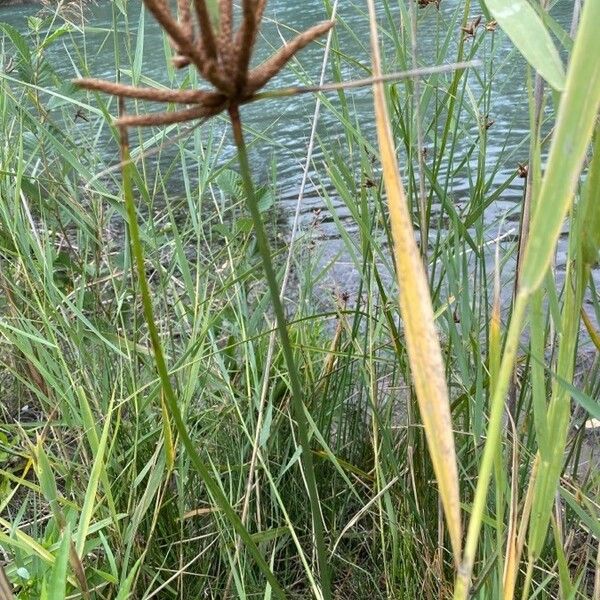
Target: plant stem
<point>297,392</point>
<point>494,431</point>
<point>163,372</point>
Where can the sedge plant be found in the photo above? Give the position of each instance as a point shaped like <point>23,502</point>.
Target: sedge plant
<point>222,57</point>
<point>121,453</point>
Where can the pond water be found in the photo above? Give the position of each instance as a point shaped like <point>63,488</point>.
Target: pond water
<point>284,126</point>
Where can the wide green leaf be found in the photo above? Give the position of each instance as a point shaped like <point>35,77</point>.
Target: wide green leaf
<point>527,32</point>
<point>575,124</point>
<point>58,577</point>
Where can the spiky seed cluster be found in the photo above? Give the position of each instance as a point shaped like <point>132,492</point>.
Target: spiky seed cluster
<point>425,3</point>
<point>471,27</point>
<point>222,57</point>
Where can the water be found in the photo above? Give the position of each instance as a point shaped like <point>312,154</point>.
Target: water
<point>284,126</point>
<point>287,123</point>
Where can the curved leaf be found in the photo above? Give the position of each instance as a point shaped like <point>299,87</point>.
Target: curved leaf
<point>527,32</point>
<point>575,124</point>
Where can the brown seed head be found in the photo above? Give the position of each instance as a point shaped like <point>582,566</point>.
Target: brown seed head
<point>221,56</point>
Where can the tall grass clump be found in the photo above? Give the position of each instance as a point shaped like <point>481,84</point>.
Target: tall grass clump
<point>200,401</point>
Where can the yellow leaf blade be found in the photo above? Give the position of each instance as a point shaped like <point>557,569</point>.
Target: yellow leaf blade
<point>424,352</point>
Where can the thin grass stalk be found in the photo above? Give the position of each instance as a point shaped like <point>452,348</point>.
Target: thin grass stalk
<point>576,119</point>
<point>463,581</point>
<point>163,372</point>
<point>531,182</point>
<point>423,216</point>
<point>285,93</point>
<point>284,283</point>
<point>515,551</point>
<point>366,81</point>
<point>495,334</point>
<point>495,354</point>
<point>255,452</point>
<point>508,564</point>
<point>295,383</point>
<point>528,580</point>
<point>575,19</point>
<point>452,96</point>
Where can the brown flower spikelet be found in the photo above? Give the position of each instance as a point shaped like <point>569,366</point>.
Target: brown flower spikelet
<point>222,57</point>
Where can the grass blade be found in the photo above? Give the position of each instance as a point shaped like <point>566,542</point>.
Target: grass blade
<point>47,481</point>
<point>576,120</point>
<point>58,576</point>
<point>527,32</point>
<point>90,495</point>
<point>424,351</point>
<point>163,372</point>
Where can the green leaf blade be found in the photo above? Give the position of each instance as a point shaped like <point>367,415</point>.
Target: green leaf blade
<point>58,577</point>
<point>576,120</point>
<point>527,32</point>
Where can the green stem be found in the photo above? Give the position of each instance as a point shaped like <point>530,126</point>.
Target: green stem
<point>297,392</point>
<point>528,579</point>
<point>163,372</point>
<point>494,430</point>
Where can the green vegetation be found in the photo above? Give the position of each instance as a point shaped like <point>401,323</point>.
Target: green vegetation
<point>172,429</point>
